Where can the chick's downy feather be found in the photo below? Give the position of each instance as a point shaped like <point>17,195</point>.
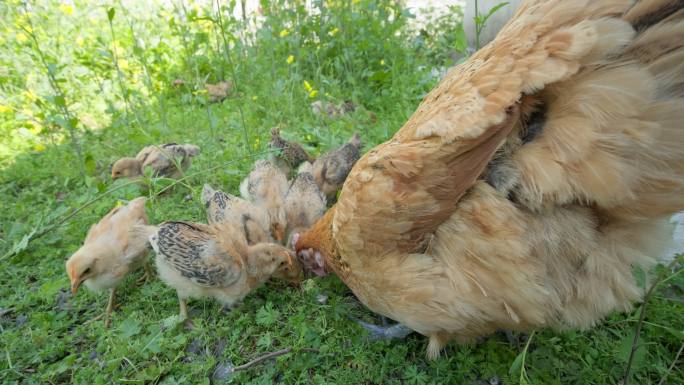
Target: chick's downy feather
<point>250,217</point>
<point>266,186</point>
<point>111,249</point>
<point>305,203</point>
<point>528,183</point>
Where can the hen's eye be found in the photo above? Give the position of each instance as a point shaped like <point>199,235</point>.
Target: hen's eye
<point>86,271</point>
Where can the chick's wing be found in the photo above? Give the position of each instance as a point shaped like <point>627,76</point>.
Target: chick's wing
<point>197,253</point>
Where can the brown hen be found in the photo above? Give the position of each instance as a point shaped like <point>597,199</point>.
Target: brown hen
<point>528,184</point>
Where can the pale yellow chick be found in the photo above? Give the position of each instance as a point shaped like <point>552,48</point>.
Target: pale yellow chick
<point>305,203</point>
<point>266,186</point>
<point>110,252</point>
<point>219,91</point>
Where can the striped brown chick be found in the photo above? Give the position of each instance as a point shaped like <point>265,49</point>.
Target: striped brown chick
<point>168,160</point>
<point>214,261</point>
<point>290,154</point>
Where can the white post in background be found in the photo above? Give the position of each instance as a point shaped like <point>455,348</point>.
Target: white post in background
<point>493,25</point>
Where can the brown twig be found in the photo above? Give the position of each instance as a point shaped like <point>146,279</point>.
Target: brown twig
<point>674,362</point>
<point>269,356</point>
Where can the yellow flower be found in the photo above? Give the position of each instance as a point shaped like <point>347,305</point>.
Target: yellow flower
<point>66,8</point>
<point>119,203</point>
<point>36,129</point>
<point>334,31</point>
<point>356,1</point>
<point>307,86</point>
<point>313,94</point>
<point>284,32</point>
<point>290,59</point>
<point>4,109</point>
<point>123,64</point>
<point>80,41</point>
<point>255,98</point>
<point>382,62</point>
<point>39,147</point>
<point>30,95</point>
<point>21,38</point>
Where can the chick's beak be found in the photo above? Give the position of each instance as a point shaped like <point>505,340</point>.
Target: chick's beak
<point>75,283</point>
<point>279,233</point>
<point>288,256</point>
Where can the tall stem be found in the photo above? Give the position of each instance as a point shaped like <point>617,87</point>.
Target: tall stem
<point>226,52</point>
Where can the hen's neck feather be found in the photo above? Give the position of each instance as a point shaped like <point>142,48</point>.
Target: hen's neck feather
<point>320,237</point>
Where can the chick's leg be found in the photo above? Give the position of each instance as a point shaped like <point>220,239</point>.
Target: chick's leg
<point>184,312</point>
<point>110,307</point>
<point>183,307</point>
<point>147,274</point>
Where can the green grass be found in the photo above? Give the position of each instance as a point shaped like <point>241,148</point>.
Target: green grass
<point>362,50</point>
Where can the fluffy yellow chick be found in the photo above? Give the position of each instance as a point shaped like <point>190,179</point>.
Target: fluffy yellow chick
<point>305,203</point>
<point>252,218</point>
<point>219,91</point>
<point>214,261</point>
<point>111,250</point>
<point>266,186</point>
<point>161,159</point>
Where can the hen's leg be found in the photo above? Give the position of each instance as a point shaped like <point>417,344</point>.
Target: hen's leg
<point>386,332</point>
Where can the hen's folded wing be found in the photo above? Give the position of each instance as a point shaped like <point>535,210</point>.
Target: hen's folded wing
<point>405,190</point>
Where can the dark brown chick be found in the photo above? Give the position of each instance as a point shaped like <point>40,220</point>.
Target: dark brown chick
<point>290,154</point>
<point>331,169</point>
